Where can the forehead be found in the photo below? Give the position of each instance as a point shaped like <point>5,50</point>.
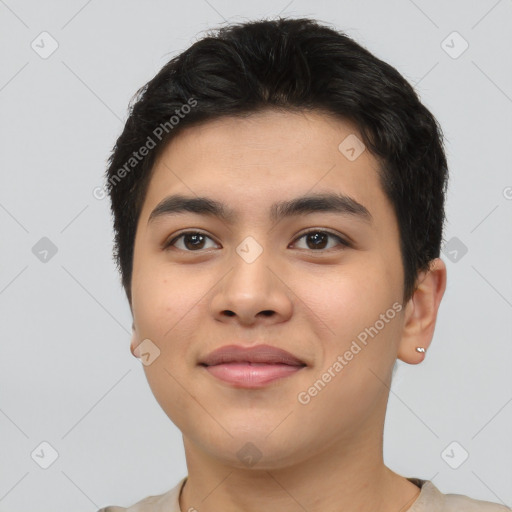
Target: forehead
<point>253,162</point>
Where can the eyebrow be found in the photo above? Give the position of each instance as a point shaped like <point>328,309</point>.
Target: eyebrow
<point>303,205</point>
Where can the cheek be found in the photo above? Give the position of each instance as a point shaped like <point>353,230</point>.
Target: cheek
<point>164,297</point>
<point>348,298</point>
<point>166,308</point>
<point>345,308</point>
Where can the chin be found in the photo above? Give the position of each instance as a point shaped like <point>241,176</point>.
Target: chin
<point>255,449</point>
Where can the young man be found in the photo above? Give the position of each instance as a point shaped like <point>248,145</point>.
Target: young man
<point>278,200</point>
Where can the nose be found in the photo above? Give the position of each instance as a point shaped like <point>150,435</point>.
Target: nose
<point>252,293</point>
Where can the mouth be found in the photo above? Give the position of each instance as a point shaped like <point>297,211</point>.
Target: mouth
<point>251,367</point>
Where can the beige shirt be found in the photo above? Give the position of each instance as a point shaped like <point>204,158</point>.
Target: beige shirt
<point>430,499</point>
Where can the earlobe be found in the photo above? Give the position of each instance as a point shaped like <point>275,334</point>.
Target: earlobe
<point>133,343</point>
<point>421,313</point>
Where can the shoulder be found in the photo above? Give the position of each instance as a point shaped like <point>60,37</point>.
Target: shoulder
<point>432,499</point>
<point>458,502</point>
<point>167,502</point>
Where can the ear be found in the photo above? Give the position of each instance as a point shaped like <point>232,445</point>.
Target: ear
<point>134,343</point>
<point>421,312</point>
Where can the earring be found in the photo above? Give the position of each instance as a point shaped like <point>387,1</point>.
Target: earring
<point>420,349</point>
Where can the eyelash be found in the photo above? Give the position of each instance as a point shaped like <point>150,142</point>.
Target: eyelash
<point>169,244</point>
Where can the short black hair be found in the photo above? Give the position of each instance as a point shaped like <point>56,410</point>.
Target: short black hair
<point>290,64</point>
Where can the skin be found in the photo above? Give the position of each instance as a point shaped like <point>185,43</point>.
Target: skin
<point>324,455</point>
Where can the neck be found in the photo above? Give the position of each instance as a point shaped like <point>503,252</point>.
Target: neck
<point>345,476</point>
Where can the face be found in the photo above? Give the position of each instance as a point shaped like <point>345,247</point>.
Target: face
<point>323,281</point>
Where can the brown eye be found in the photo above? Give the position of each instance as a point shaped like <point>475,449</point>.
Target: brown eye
<point>190,241</point>
<point>318,240</point>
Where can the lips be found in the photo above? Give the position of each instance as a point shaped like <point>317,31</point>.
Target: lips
<point>251,367</point>
<point>264,354</point>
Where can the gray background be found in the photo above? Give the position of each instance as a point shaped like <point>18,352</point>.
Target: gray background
<point>67,376</point>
